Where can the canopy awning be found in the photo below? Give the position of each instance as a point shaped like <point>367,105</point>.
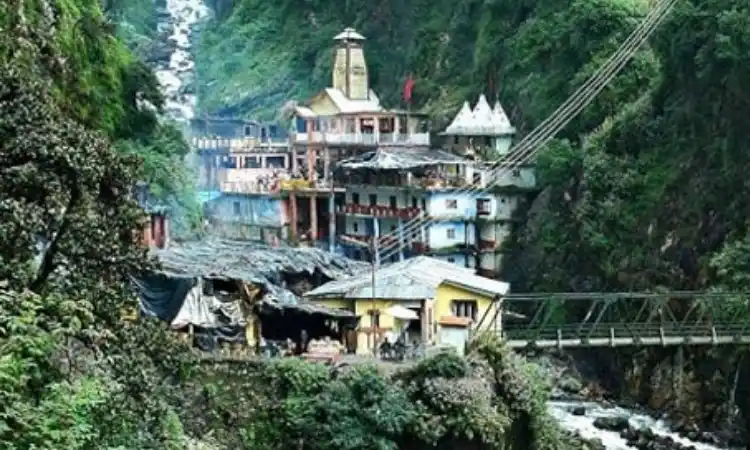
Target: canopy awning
<point>399,312</point>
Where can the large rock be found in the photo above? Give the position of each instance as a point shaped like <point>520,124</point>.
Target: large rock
<point>617,424</point>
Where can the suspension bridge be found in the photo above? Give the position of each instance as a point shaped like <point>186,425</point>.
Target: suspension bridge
<point>570,320</point>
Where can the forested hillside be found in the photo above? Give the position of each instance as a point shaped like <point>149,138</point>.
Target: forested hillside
<point>646,190</point>
<point>78,373</point>
<point>669,129</point>
<point>259,55</point>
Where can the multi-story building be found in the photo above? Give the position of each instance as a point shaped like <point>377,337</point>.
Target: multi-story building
<point>485,134</point>
<point>242,165</point>
<point>346,120</point>
<point>470,206</point>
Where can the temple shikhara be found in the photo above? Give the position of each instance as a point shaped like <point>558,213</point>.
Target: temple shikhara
<point>348,170</point>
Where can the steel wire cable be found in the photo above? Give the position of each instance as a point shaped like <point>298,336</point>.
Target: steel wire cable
<point>535,141</point>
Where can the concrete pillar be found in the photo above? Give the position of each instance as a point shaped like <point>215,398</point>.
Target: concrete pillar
<point>167,230</point>
<point>293,214</point>
<point>376,234</point>
<point>313,217</point>
<point>327,165</point>
<point>331,223</point>
<point>148,237</point>
<point>677,375</point>
<point>401,239</point>
<point>422,229</point>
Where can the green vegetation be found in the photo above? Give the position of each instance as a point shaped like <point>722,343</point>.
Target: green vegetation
<point>75,374</point>
<point>658,191</point>
<point>643,190</point>
<point>491,401</point>
<point>101,85</point>
<point>646,190</point>
<point>533,54</point>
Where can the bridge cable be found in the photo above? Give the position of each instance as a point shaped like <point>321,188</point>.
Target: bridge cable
<point>532,144</point>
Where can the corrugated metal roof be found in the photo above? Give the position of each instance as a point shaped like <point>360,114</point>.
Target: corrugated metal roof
<point>412,279</point>
<point>401,159</point>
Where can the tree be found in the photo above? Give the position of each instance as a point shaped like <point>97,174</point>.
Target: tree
<point>74,373</point>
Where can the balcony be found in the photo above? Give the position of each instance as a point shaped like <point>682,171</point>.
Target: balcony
<point>365,139</point>
<point>366,241</point>
<point>379,211</point>
<point>302,185</point>
<point>241,144</point>
<point>250,187</point>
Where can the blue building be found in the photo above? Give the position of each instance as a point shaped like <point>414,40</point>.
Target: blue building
<point>470,207</point>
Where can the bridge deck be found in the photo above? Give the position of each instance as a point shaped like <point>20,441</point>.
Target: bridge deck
<point>621,335</point>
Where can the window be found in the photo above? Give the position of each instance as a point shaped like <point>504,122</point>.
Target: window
<point>516,173</point>
<point>374,318</point>
<point>414,203</point>
<point>355,198</point>
<point>450,233</point>
<point>476,178</point>
<point>355,227</point>
<point>455,140</point>
<point>237,208</point>
<point>248,130</point>
<point>275,162</point>
<point>251,162</point>
<point>451,203</point>
<point>465,308</point>
<point>483,206</point>
<point>208,287</point>
<point>373,199</point>
<point>392,202</point>
<point>393,228</point>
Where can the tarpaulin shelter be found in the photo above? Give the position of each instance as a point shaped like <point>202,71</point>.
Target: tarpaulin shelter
<point>173,292</point>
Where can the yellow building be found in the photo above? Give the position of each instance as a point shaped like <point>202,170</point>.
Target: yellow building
<point>424,299</point>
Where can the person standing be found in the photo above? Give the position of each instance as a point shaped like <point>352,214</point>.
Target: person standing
<point>303,341</point>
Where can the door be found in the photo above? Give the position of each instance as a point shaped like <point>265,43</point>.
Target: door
<point>455,337</point>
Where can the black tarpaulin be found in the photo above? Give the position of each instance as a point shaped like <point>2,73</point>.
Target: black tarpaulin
<point>162,296</point>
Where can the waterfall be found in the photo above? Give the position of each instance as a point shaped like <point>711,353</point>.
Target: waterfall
<point>174,78</point>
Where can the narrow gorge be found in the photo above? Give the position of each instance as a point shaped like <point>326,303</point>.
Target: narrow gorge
<point>642,192</point>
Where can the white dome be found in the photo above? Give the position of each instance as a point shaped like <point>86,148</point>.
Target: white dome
<point>482,121</point>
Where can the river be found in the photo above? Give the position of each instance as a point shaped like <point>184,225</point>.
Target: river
<point>184,14</point>
<point>584,425</point>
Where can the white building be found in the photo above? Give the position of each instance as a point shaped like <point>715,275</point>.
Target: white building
<point>471,207</point>
<point>485,134</point>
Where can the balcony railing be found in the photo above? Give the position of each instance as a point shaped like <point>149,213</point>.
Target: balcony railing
<point>318,137</point>
<point>250,187</point>
<point>240,144</point>
<point>386,240</point>
<point>379,211</point>
<point>307,185</point>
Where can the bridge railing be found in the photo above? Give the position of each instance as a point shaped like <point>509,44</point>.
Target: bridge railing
<point>614,333</point>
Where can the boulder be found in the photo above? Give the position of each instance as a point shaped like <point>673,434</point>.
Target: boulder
<point>570,385</point>
<point>618,424</point>
<point>578,411</point>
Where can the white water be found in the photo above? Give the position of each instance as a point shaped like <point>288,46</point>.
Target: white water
<point>584,425</point>
<point>184,14</point>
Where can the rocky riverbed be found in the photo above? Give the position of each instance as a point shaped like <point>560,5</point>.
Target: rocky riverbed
<point>585,409</point>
